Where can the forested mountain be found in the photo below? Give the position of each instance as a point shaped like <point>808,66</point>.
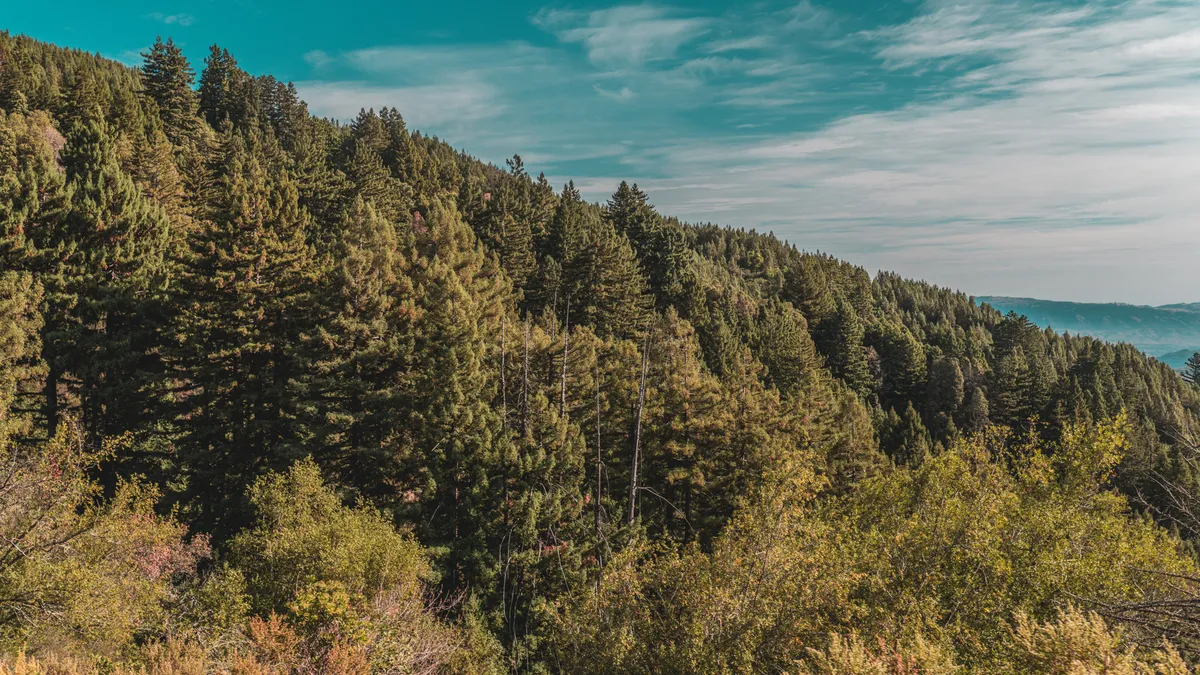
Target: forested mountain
<point>1169,332</point>
<point>284,395</point>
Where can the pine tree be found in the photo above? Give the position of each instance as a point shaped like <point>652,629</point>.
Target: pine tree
<point>604,282</point>
<point>840,339</point>
<point>222,89</point>
<point>363,353</point>
<point>909,441</point>
<point>167,77</point>
<point>110,269</point>
<point>783,344</point>
<point>373,182</point>
<point>15,67</point>
<point>20,327</point>
<point>1191,371</point>
<point>659,247</point>
<point>245,302</point>
<point>975,416</point>
<point>946,389</point>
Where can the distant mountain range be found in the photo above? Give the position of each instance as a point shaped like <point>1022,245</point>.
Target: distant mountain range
<point>1169,332</point>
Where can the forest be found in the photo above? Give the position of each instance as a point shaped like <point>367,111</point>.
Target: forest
<point>282,394</point>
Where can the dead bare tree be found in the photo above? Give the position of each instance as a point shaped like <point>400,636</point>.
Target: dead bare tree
<point>637,431</point>
<point>562,405</point>
<point>1172,609</point>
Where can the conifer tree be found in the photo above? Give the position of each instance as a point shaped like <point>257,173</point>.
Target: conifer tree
<point>374,183</point>
<point>1191,372</point>
<point>106,289</point>
<point>167,77</point>
<point>363,354</point>
<point>15,67</point>
<point>975,416</point>
<point>840,340</point>
<point>659,246</point>
<point>20,327</point>
<point>603,279</point>
<point>244,301</point>
<point>784,346</point>
<point>222,88</point>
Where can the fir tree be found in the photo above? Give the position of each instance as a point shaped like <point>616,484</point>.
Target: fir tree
<point>840,341</point>
<point>604,282</point>
<point>167,77</point>
<point>244,299</point>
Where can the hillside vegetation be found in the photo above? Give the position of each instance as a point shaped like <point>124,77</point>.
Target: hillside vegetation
<point>284,395</point>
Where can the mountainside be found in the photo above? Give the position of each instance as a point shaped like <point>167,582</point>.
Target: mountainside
<point>1158,331</point>
<point>281,394</point>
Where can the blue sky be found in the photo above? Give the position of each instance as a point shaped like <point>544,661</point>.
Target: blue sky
<point>1048,149</point>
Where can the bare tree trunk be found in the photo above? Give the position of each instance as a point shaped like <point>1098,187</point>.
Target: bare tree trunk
<point>637,431</point>
<point>503,375</point>
<point>562,404</point>
<point>599,462</point>
<point>525,384</point>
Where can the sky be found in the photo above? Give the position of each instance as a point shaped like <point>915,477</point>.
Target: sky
<point>1001,147</point>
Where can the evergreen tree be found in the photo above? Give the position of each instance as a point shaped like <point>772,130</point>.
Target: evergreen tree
<point>784,346</point>
<point>374,183</point>
<point>222,88</point>
<point>1191,371</point>
<point>840,340</point>
<point>364,353</point>
<point>603,281</point>
<point>15,70</point>
<point>244,301</point>
<point>167,77</point>
<point>946,386</point>
<point>975,416</point>
<point>659,247</point>
<point>105,293</point>
<point>20,327</point>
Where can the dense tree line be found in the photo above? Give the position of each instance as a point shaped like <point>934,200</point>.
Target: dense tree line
<point>284,394</point>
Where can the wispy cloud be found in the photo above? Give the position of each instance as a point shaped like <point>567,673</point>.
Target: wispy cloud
<point>423,106</point>
<point>1064,145</point>
<point>173,19</point>
<point>317,58</point>
<point>622,94</point>
<point>1022,147</point>
<point>627,36</point>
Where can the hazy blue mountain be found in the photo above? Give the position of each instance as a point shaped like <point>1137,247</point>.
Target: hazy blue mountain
<point>1169,332</point>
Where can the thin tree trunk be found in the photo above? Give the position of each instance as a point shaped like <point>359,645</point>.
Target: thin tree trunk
<point>599,463</point>
<point>562,404</point>
<point>637,431</point>
<point>525,384</point>
<point>503,375</point>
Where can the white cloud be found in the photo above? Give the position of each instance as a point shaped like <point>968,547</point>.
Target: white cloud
<point>423,106</point>
<point>1063,163</point>
<point>318,59</point>
<point>1038,150</point>
<point>624,37</point>
<point>622,94</point>
<point>173,19</point>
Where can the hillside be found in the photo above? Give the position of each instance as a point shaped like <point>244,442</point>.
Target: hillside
<point>282,394</point>
<point>1158,331</point>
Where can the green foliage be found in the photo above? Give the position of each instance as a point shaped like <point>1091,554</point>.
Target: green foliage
<point>605,439</point>
<point>307,555</point>
<point>79,573</point>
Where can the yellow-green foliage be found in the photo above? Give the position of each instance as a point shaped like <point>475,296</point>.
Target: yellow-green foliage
<point>76,571</point>
<point>772,582</point>
<point>959,544</point>
<point>338,585</point>
<point>1073,643</point>
<point>943,556</point>
<point>308,553</point>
